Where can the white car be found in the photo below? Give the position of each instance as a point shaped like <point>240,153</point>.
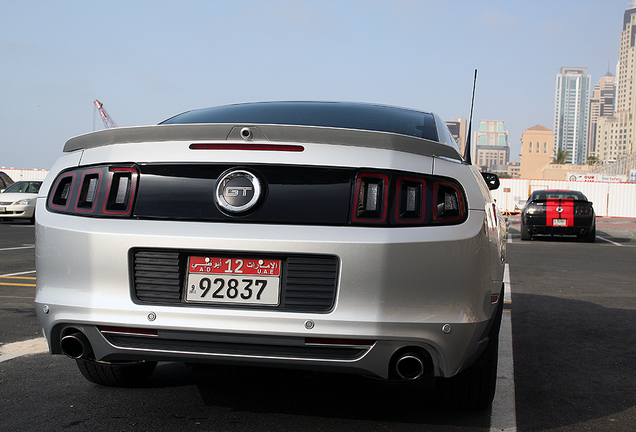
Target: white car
<point>324,236</point>
<point>18,200</point>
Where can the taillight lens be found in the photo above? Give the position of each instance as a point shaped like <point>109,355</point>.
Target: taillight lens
<point>583,210</point>
<point>536,208</point>
<point>410,200</point>
<point>371,196</point>
<point>449,205</point>
<point>121,190</point>
<point>94,191</point>
<point>406,200</point>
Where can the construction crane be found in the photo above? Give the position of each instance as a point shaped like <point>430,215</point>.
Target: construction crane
<point>108,121</point>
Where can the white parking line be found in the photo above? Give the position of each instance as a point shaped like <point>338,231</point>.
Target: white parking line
<point>503,416</point>
<point>19,349</point>
<point>18,247</point>
<point>609,241</point>
<point>18,274</point>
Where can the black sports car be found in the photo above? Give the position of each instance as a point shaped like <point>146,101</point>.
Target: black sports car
<point>558,212</point>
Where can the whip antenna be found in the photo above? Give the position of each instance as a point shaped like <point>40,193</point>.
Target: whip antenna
<point>467,149</point>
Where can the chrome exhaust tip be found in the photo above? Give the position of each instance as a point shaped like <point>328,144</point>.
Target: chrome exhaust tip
<point>76,345</point>
<point>410,366</point>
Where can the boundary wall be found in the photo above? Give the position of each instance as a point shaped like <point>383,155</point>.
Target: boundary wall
<point>609,199</point>
<point>25,174</point>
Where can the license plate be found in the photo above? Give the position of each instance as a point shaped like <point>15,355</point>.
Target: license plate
<point>233,280</point>
<point>559,222</point>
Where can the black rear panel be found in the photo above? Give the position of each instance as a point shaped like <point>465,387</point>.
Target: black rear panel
<point>292,194</point>
<point>308,282</point>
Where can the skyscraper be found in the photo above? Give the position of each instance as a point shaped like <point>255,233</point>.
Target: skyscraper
<point>614,135</point>
<point>571,109</point>
<point>492,146</point>
<point>601,105</point>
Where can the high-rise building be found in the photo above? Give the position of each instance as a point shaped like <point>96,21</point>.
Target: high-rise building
<point>571,109</point>
<point>601,105</point>
<point>614,135</point>
<point>537,150</point>
<point>492,146</point>
<point>457,128</point>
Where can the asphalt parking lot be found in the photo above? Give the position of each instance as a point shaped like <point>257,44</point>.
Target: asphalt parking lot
<point>573,311</point>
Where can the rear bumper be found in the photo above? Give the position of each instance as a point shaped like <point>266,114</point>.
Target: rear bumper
<point>538,225</point>
<point>397,288</point>
<point>551,230</point>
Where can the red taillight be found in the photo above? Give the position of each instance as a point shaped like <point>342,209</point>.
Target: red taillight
<point>406,200</point>
<point>89,191</point>
<point>410,200</point>
<point>100,191</point>
<point>448,202</point>
<point>583,210</point>
<point>121,190</point>
<point>371,198</point>
<point>60,198</point>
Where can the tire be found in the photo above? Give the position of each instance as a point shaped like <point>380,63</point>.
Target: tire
<point>525,234</point>
<point>590,237</point>
<point>474,388</point>
<point>125,374</point>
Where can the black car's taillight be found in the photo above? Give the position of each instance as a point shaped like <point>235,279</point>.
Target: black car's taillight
<point>94,191</point>
<point>583,210</point>
<point>406,200</point>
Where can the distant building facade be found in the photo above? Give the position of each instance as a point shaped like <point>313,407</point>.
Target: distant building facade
<point>492,147</point>
<point>601,105</point>
<point>457,128</point>
<point>572,93</point>
<point>537,150</point>
<point>615,135</point>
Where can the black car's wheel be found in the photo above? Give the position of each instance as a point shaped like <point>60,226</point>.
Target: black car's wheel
<point>525,234</point>
<point>590,236</point>
<point>125,374</point>
<point>474,388</point>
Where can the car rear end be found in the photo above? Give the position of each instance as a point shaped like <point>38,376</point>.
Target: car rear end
<point>560,214</point>
<point>363,250</point>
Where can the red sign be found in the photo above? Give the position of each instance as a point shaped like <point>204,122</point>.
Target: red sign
<point>234,266</point>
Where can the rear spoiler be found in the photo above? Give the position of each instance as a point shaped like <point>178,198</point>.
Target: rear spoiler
<point>273,133</point>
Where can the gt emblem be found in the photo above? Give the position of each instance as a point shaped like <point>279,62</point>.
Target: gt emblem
<point>237,191</point>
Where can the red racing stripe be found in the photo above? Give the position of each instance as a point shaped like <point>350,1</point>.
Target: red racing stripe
<point>552,211</point>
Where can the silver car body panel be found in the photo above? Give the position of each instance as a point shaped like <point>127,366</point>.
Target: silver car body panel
<point>396,286</point>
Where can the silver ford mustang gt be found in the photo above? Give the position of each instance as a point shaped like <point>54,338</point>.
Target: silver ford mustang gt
<point>324,236</point>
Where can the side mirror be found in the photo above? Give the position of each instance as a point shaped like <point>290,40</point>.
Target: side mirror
<point>492,180</point>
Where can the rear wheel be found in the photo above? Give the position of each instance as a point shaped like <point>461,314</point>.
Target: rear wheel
<point>590,236</point>
<point>525,234</point>
<point>124,374</point>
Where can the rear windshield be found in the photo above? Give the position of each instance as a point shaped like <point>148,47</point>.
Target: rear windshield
<point>326,114</point>
<point>542,195</point>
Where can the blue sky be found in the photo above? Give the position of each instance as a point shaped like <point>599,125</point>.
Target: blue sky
<point>149,60</point>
